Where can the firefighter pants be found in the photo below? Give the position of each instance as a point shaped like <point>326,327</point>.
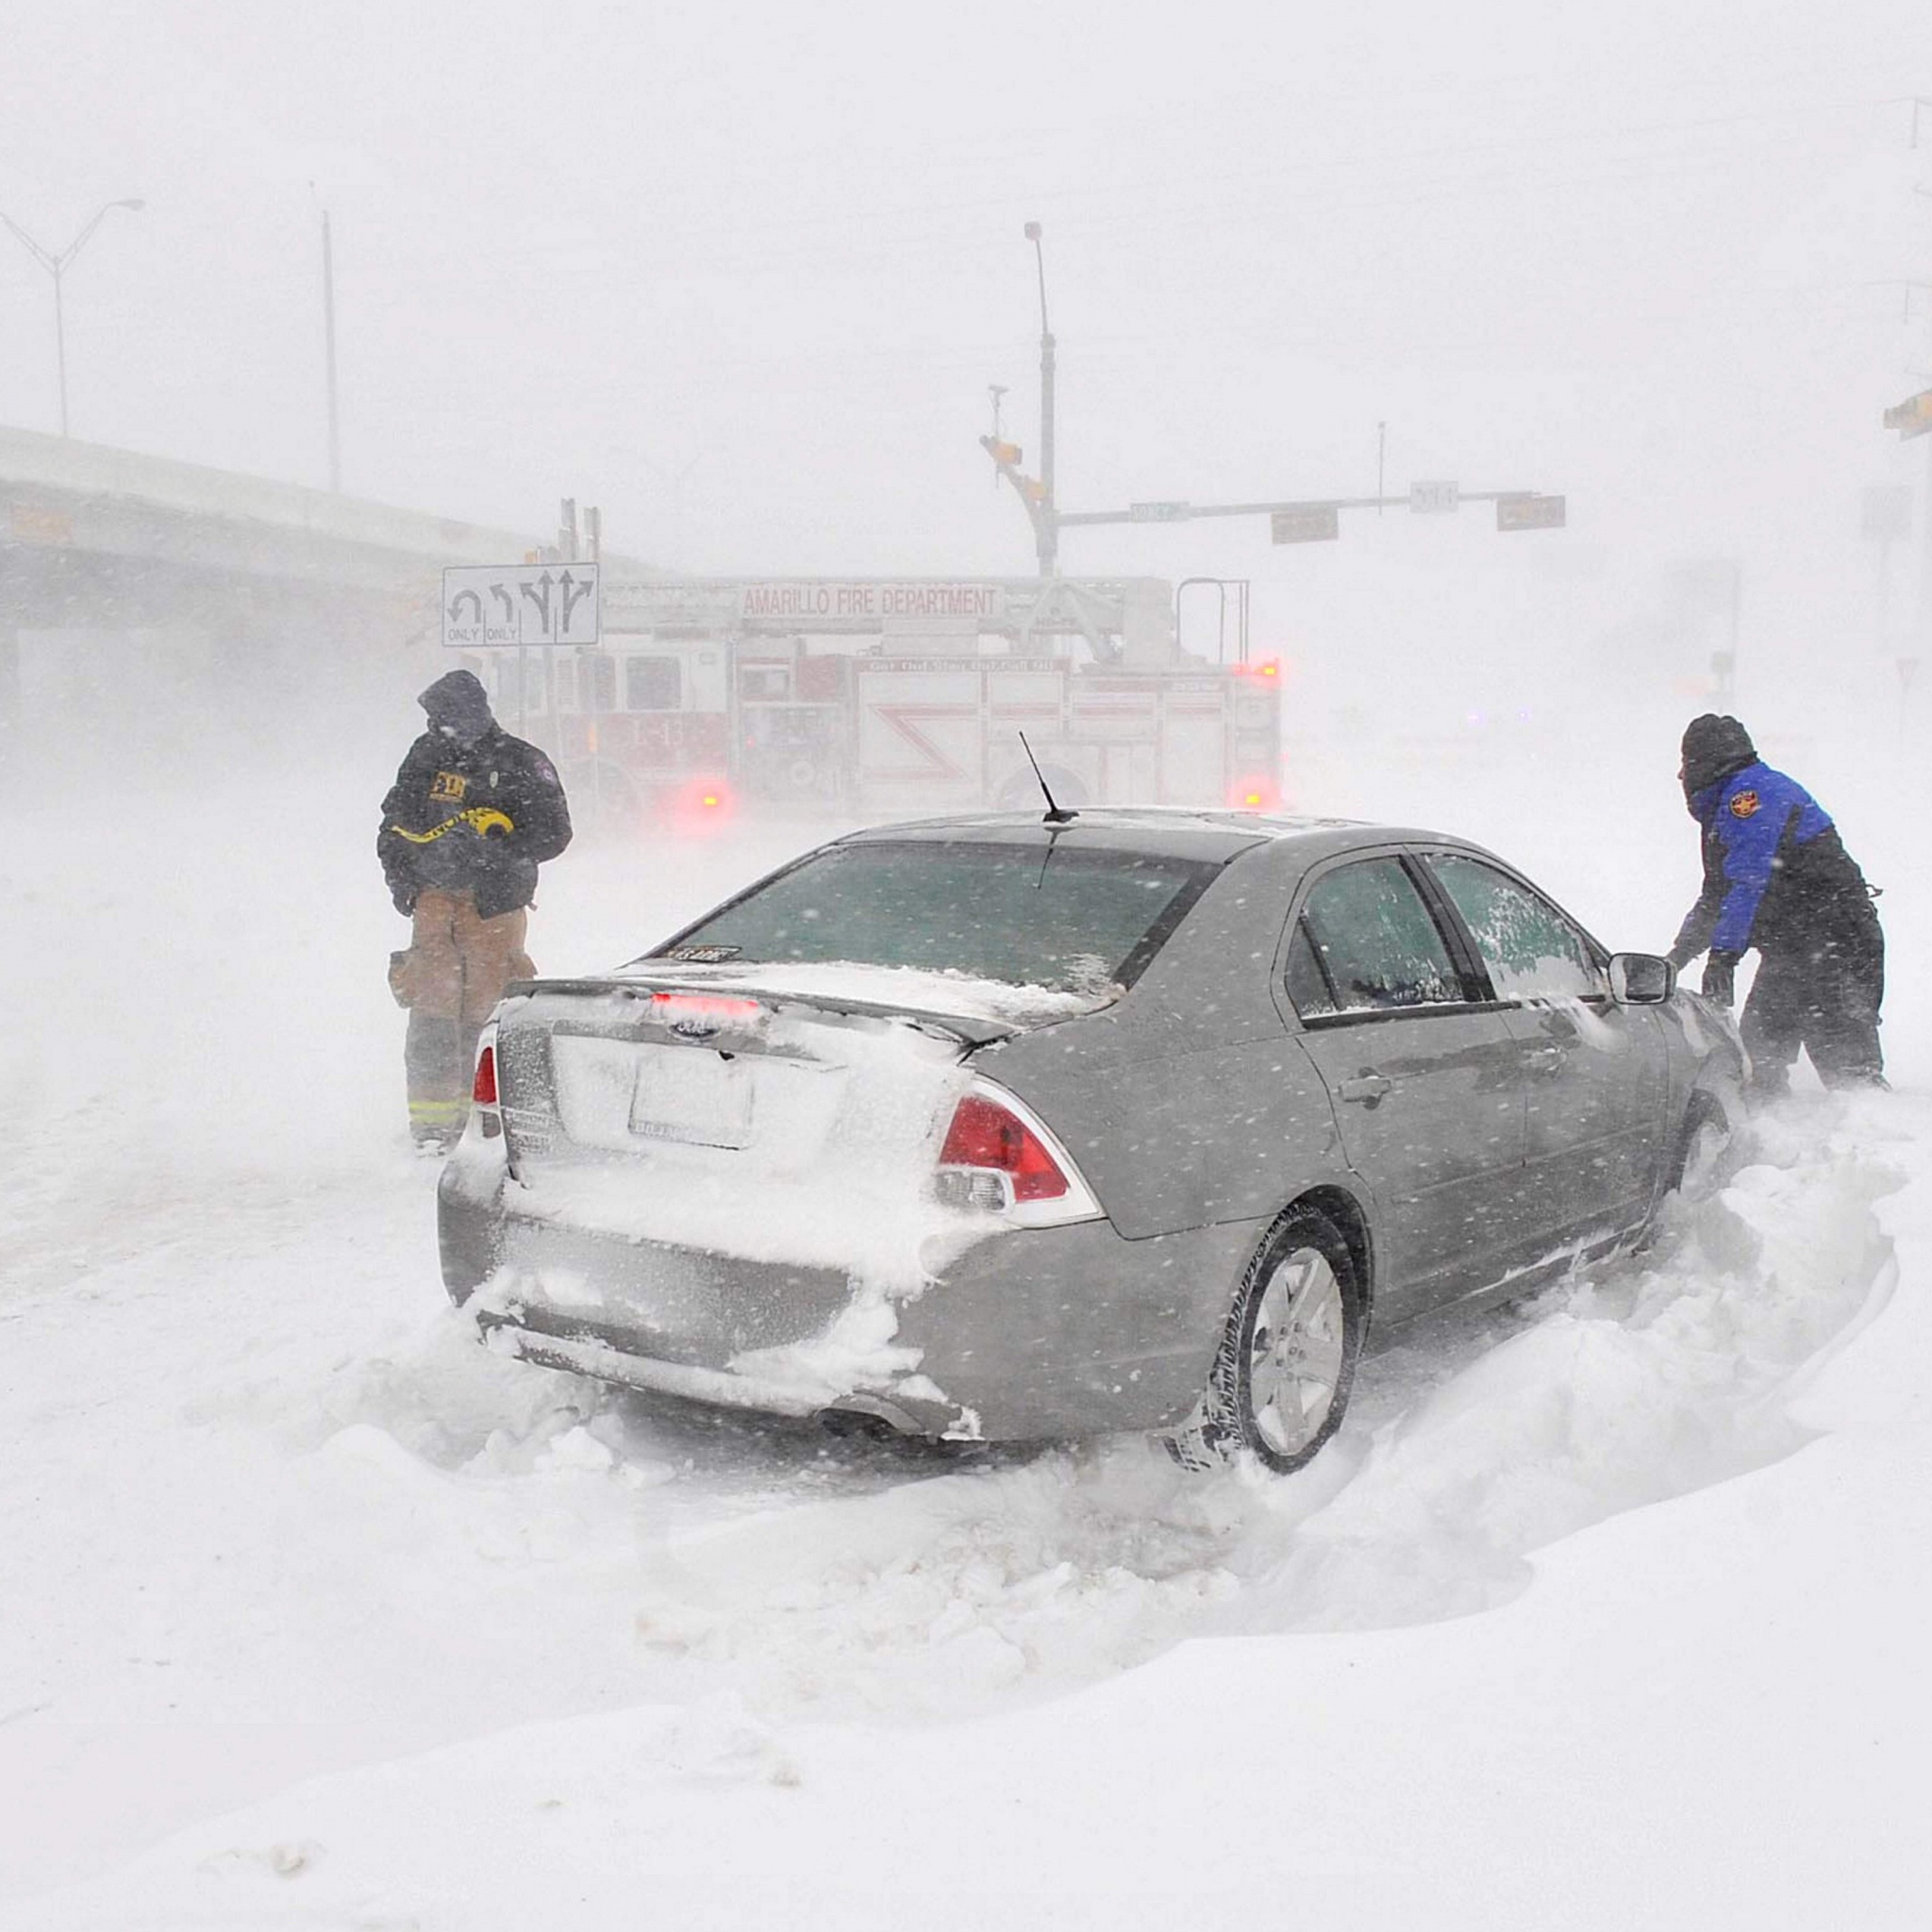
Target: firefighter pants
<point>453,974</point>
<point>1821,994</point>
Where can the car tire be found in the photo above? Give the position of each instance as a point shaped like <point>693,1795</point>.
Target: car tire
<point>1697,1169</point>
<point>1285,1364</point>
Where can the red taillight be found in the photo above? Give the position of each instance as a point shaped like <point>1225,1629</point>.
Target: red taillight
<point>484,1091</point>
<point>987,1135</point>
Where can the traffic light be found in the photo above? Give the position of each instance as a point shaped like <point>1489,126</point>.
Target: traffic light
<point>1912,417</point>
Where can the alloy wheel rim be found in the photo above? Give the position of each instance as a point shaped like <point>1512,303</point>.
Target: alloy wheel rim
<point>1295,1361</point>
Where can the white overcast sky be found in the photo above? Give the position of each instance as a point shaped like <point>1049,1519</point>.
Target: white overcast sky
<point>742,274</point>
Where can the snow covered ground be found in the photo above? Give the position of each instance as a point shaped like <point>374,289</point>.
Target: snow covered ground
<point>1602,1611</point>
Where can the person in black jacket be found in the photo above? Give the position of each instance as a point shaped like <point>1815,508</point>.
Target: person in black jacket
<point>1776,875</point>
<point>474,812</point>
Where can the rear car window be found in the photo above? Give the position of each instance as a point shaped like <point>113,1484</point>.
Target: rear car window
<point>1078,921</point>
<point>1371,945</point>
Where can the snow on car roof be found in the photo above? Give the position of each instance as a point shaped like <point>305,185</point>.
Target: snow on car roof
<point>1176,830</point>
<point>1202,833</point>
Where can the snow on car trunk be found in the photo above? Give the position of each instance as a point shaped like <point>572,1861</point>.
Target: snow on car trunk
<point>782,1115</point>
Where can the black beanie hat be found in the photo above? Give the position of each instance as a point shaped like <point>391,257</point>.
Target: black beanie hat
<point>458,698</point>
<point>1714,747</point>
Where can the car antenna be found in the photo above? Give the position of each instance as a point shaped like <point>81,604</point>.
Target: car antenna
<point>1056,814</point>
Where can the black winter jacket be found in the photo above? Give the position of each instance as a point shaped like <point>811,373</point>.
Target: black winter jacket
<point>476,818</point>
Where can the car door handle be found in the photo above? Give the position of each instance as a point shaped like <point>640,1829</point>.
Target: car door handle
<point>1368,1087</point>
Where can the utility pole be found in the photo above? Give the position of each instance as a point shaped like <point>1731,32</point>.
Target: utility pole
<point>328,334</point>
<point>1046,525</point>
<point>1036,494</point>
<point>56,266</point>
<point>1736,629</point>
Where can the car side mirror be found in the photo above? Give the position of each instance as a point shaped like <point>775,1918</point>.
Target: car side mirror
<point>1641,980</point>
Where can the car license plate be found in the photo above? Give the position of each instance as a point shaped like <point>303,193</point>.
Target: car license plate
<point>691,1094</point>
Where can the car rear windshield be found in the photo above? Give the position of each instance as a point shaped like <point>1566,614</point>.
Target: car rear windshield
<point>1078,921</point>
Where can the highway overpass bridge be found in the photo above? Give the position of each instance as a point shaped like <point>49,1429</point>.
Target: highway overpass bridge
<point>127,580</point>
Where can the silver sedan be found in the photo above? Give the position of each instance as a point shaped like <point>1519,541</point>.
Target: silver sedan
<point>988,1128</point>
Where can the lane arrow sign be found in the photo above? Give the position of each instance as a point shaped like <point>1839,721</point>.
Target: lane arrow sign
<point>540,598</point>
<point>511,607</point>
<point>574,592</point>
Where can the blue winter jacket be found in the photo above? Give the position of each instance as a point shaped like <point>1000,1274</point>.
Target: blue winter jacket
<point>1773,865</point>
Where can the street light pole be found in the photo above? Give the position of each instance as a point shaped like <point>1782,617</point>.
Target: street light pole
<point>329,332</point>
<point>61,339</point>
<point>1046,525</point>
<point>56,266</point>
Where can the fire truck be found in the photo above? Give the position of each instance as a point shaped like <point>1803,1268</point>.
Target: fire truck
<point>877,696</point>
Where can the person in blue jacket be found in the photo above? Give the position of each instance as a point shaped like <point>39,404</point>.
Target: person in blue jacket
<point>1776,875</point>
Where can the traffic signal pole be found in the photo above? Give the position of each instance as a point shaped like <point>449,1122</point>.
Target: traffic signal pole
<point>1186,512</point>
<point>1296,521</point>
<point>1047,534</point>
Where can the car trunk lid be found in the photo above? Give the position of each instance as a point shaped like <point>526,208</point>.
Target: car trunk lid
<point>748,1077</point>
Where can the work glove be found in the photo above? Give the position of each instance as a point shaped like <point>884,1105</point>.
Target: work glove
<point>1719,979</point>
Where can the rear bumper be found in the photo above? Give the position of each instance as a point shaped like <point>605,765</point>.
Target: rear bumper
<point>1031,1334</point>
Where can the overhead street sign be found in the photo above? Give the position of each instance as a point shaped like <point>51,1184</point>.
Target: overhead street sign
<point>1434,499</point>
<point>1314,523</point>
<point>1912,417</point>
<point>1532,512</point>
<point>1159,512</point>
<point>491,608</point>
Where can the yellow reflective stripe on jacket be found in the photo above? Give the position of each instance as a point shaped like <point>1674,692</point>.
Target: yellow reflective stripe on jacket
<point>484,818</point>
